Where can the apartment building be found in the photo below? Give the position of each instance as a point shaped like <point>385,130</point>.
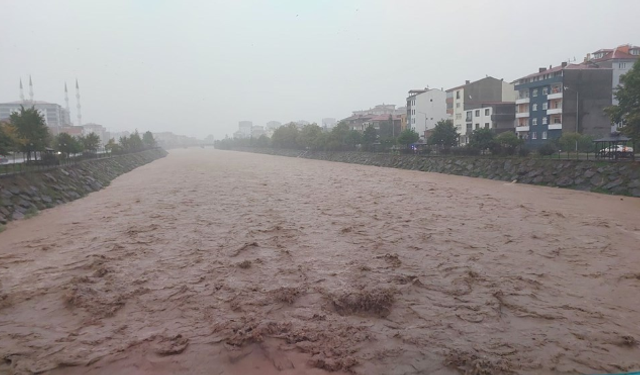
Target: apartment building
<point>425,108</point>
<point>498,117</point>
<point>568,97</point>
<point>55,116</point>
<point>619,60</point>
<point>472,95</point>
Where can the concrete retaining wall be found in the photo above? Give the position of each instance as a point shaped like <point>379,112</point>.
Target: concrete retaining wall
<point>25,194</point>
<point>622,178</point>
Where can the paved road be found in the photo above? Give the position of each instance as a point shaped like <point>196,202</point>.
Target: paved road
<point>255,264</point>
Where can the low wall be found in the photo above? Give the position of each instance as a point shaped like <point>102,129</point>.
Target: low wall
<point>25,194</point>
<point>622,178</point>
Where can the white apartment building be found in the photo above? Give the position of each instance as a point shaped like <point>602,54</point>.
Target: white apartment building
<point>425,108</point>
<point>55,116</point>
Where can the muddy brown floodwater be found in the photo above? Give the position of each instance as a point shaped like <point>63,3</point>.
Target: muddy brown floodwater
<point>213,262</point>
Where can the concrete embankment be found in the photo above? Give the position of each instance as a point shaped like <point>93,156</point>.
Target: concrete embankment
<point>25,194</point>
<point>620,178</point>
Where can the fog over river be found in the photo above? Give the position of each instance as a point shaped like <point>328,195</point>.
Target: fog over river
<point>220,262</point>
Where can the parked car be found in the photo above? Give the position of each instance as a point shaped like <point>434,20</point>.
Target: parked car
<point>619,151</point>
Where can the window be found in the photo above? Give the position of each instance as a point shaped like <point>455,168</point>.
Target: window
<point>469,126</point>
<point>477,113</point>
<point>477,126</point>
<point>457,105</point>
<point>534,107</point>
<point>534,121</point>
<point>544,120</point>
<point>545,91</point>
<point>544,135</point>
<point>457,94</point>
<point>635,51</point>
<point>486,112</point>
<point>622,65</point>
<point>544,106</point>
<point>458,116</point>
<point>535,92</point>
<point>486,125</point>
<point>534,135</point>
<point>469,116</point>
<point>556,120</point>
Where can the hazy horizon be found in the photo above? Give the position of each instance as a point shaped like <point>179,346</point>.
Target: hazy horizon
<point>199,68</point>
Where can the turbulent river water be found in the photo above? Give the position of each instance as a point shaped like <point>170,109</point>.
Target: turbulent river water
<point>214,262</point>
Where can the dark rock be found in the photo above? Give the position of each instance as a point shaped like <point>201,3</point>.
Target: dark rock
<point>597,181</point>
<point>635,192</point>
<point>613,184</point>
<point>5,212</point>
<point>565,181</point>
<point>17,216</point>
<point>590,173</point>
<point>14,190</point>
<point>24,203</point>
<point>3,220</point>
<point>46,199</point>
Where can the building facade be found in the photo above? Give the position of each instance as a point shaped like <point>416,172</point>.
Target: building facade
<point>425,108</point>
<point>99,130</point>
<point>244,129</point>
<point>620,60</point>
<point>55,116</point>
<point>472,95</point>
<point>567,98</point>
<point>328,123</point>
<point>498,117</point>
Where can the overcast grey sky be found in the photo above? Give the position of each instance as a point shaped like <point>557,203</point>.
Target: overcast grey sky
<point>199,67</point>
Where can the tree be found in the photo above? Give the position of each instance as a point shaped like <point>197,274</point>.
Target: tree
<point>285,136</point>
<point>135,142</point>
<point>353,139</point>
<point>67,144</point>
<point>568,141</point>
<point>262,142</point>
<point>338,137</point>
<point>509,142</point>
<point>627,111</point>
<point>9,141</point>
<point>148,140</point>
<point>32,129</point>
<point>444,134</point>
<point>369,137</point>
<point>407,137</point>
<point>481,139</point>
<point>308,136</point>
<point>90,142</point>
<point>112,147</point>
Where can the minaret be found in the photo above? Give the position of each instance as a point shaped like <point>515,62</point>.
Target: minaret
<point>78,105</point>
<point>66,97</point>
<point>21,92</point>
<point>67,116</point>
<point>30,89</point>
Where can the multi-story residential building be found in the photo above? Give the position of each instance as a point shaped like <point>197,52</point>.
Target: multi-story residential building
<point>357,122</point>
<point>328,122</point>
<point>569,98</point>
<point>380,109</point>
<point>497,116</point>
<point>425,108</point>
<point>273,125</point>
<point>257,131</point>
<point>244,129</point>
<point>619,60</point>
<point>99,130</point>
<point>472,95</point>
<point>55,116</point>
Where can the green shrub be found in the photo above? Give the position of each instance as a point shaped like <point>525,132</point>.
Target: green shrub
<point>547,149</point>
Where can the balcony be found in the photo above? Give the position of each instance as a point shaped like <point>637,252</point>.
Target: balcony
<point>554,111</point>
<point>557,95</point>
<point>522,128</point>
<point>555,126</point>
<point>523,100</point>
<point>522,114</point>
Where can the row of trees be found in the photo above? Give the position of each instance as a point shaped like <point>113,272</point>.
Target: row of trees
<point>27,132</point>
<point>313,137</point>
